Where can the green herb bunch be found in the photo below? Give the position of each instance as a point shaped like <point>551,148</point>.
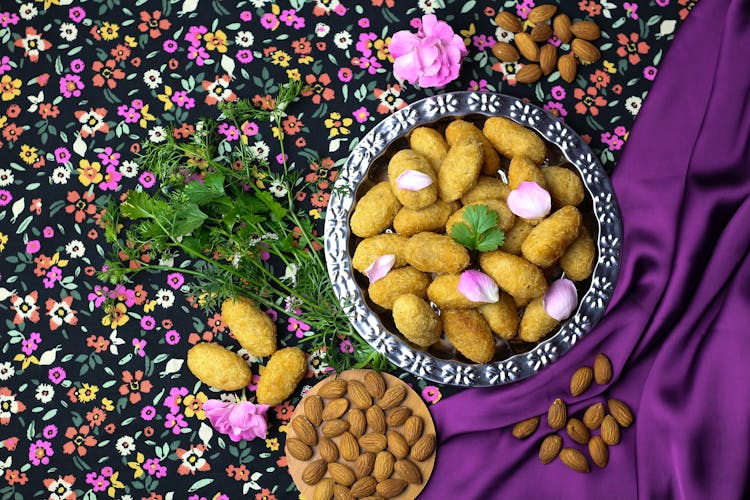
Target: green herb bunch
<point>211,208</point>
<point>479,231</point>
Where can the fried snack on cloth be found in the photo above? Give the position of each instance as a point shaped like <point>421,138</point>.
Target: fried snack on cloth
<point>218,367</point>
<point>548,241</point>
<point>460,169</point>
<point>564,186</point>
<point>404,160</point>
<point>371,248</point>
<point>578,259</point>
<point>435,253</point>
<point>468,332</point>
<point>511,139</point>
<point>409,222</point>
<point>505,217</point>
<point>396,283</point>
<point>515,275</point>
<point>429,143</point>
<point>486,188</point>
<point>459,129</point>
<point>280,377</point>
<point>252,327</point>
<point>416,320</point>
<point>375,211</point>
<point>501,316</point>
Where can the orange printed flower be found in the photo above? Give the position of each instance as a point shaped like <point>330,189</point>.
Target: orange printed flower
<point>590,101</point>
<point>153,23</point>
<point>134,385</point>
<point>80,440</point>
<point>631,47</point>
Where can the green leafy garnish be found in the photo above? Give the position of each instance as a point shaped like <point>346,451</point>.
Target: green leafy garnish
<point>479,231</point>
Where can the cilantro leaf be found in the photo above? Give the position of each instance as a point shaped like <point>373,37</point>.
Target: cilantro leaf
<point>462,234</point>
<point>491,240</point>
<point>479,230</point>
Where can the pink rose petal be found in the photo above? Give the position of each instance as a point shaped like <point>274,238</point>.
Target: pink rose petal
<point>529,200</point>
<point>413,180</point>
<point>561,299</point>
<point>478,287</point>
<point>380,267</point>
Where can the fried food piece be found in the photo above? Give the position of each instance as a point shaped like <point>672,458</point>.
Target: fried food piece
<point>468,332</point>
<point>404,160</point>
<point>396,283</point>
<point>548,241</point>
<point>514,274</point>
<point>435,253</point>
<point>535,322</point>
<point>458,129</point>
<point>460,169</point>
<point>522,169</point>
<point>432,218</point>
<point>486,188</point>
<point>282,374</point>
<point>501,316</point>
<point>253,328</point>
<point>516,235</point>
<point>371,248</point>
<point>511,139</point>
<point>416,320</point>
<point>218,367</point>
<point>564,186</point>
<point>443,291</point>
<point>578,259</point>
<point>375,211</point>
<point>429,143</point>
<point>505,217</point>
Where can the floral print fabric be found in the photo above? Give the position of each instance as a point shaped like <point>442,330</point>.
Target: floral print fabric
<point>95,398</point>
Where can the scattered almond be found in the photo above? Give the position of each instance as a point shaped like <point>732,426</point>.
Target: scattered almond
<point>375,384</point>
<point>621,412</point>
<point>341,474</point>
<point>587,30</point>
<point>376,419</point>
<point>585,51</point>
<point>314,471</point>
<point>527,47</point>
<point>390,487</point>
<point>314,409</point>
<point>541,33</point>
<point>541,13</point>
<point>335,409</point>
<point>602,369</point>
<point>305,430</point>
<point>328,450</point>
<point>505,52</point>
<point>568,66</point>
<point>575,460</point>
<point>581,380</point>
<point>364,464</point>
<point>397,444</point>
<point>550,448</point>
<point>334,428</point>
<point>598,451</point>
<point>341,492</point>
<point>413,428</point>
<point>423,448</point>
<point>324,490</point>
<point>298,449</point>
<point>364,486</point>
<point>359,395</point>
<point>530,73</point>
<point>610,431</point>
<point>373,442</point>
<point>548,58</point>
<point>525,428</point>
<point>407,471</point>
<point>577,431</point>
<point>397,416</point>
<point>393,397</point>
<point>561,27</point>
<point>357,422</point>
<point>557,414</point>
<point>333,389</point>
<point>508,21</point>
<point>384,464</point>
<point>348,447</point>
<point>593,416</point>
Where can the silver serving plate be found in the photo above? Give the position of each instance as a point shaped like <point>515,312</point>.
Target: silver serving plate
<point>361,168</point>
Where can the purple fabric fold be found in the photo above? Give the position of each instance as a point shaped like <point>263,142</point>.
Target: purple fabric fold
<point>677,328</point>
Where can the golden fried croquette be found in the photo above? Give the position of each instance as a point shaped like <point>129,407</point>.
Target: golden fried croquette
<point>375,211</point>
<point>396,283</point>
<point>515,275</point>
<point>511,139</point>
<point>459,129</point>
<point>432,218</point>
<point>435,253</point>
<point>460,169</point>
<point>373,247</point>
<point>416,320</point>
<point>468,332</point>
<point>407,159</point>
<point>548,241</point>
<point>429,143</point>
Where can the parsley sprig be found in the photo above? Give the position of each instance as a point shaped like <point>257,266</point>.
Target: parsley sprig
<point>479,230</point>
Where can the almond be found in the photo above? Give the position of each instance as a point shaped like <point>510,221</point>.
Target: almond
<point>557,414</point>
<point>550,448</point>
<point>357,422</point>
<point>574,459</point>
<point>527,47</point>
<point>364,486</point>
<point>593,416</point>
<point>548,58</point>
<point>334,428</point>
<point>568,66</point>
<point>364,464</point>
<point>333,389</point>
<point>305,430</point>
<point>581,380</point>
<point>341,474</point>
<point>505,52</point>
<point>373,442</point>
<point>334,409</point>
<point>610,431</point>
<point>397,444</point>
<point>621,412</point>
<point>298,449</point>
<point>313,406</point>
<point>423,448</point>
<point>407,471</point>
<point>413,428</point>
<point>384,463</point>
<point>376,419</point>
<point>530,73</point>
<point>598,451</point>
<point>588,30</point>
<point>328,450</point>
<point>577,431</point>
<point>341,492</point>
<point>508,21</point>
<point>585,51</point>
<point>541,32</point>
<point>375,384</point>
<point>314,471</point>
<point>390,487</point>
<point>561,27</point>
<point>359,395</point>
<point>348,447</point>
<point>525,428</point>
<point>541,13</point>
<point>324,489</point>
<point>602,369</point>
<point>392,397</point>
<point>397,416</point>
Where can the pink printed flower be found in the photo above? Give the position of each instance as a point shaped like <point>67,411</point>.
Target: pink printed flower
<point>240,421</point>
<point>430,58</point>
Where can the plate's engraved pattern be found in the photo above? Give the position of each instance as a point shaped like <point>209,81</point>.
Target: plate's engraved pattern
<point>422,363</point>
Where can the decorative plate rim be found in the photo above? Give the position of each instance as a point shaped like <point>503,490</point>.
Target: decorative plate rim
<point>423,364</point>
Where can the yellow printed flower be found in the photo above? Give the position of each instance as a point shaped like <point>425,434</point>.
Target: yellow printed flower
<point>166,98</point>
<point>3,240</point>
<point>305,59</point>
<point>137,465</point>
<point>10,88</point>
<point>109,31</point>
<point>57,261</point>
<point>281,58</point>
<point>90,172</point>
<point>114,484</point>
<point>338,125</point>
<point>194,405</point>
<point>26,360</point>
<point>610,67</point>
<point>108,404</point>
<point>47,3</point>
<point>272,444</point>
<point>381,46</point>
<point>115,316</point>
<point>216,41</point>
<point>315,214</point>
<point>149,306</point>
<point>28,154</point>
<point>130,41</point>
<point>145,117</point>
<point>293,74</point>
<point>87,392</point>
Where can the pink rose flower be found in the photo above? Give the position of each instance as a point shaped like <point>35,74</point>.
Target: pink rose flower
<point>429,58</point>
<point>240,421</point>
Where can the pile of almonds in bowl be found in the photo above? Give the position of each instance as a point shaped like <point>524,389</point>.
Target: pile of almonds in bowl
<point>542,60</point>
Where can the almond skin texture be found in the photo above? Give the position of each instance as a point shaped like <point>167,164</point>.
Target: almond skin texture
<point>505,52</point>
<point>305,430</point>
<point>621,412</point>
<point>375,384</point>
<point>324,490</point>
<point>335,409</point>
<point>314,471</point>
<point>577,431</point>
<point>508,21</point>
<point>328,450</point>
<point>364,487</point>
<point>376,419</point>
<point>341,492</point>
<point>357,422</point>
<point>581,380</point>
<point>548,58</point>
<point>391,487</point>
<point>529,74</point>
<point>527,47</point>
<point>541,13</point>
<point>610,431</point>
<point>602,369</point>
<point>348,447</point>
<point>373,442</point>
<point>407,471</point>
<point>593,416</point>
<point>397,416</point>
<point>298,449</point>
<point>561,27</point>
<point>541,33</point>
<point>334,428</point>
<point>568,66</point>
<point>314,409</point>
<point>341,474</point>
<point>393,397</point>
<point>359,395</point>
<point>413,428</point>
<point>587,30</point>
<point>557,414</point>
<point>364,464</point>
<point>525,428</point>
<point>384,463</point>
<point>598,451</point>
<point>585,51</point>
<point>575,460</point>
<point>550,448</point>
<point>397,444</point>
<point>333,389</point>
<point>423,448</point>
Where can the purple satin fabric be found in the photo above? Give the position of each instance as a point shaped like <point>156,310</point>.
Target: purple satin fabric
<point>678,327</point>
